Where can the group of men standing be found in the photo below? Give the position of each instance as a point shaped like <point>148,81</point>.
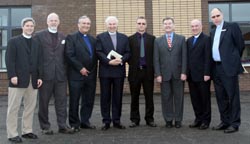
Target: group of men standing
<point>48,60</point>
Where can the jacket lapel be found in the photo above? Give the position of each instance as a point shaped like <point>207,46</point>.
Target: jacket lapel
<point>82,42</point>
<point>109,42</point>
<point>223,31</point>
<point>24,44</point>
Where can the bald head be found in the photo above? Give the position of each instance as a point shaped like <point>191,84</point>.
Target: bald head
<point>196,27</point>
<point>216,16</point>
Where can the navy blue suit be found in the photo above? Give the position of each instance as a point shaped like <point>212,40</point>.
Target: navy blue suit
<point>111,77</point>
<point>225,74</point>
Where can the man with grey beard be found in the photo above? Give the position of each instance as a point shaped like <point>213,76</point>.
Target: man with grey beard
<point>54,72</point>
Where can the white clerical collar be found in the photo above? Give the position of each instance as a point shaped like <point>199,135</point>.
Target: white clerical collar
<point>112,33</point>
<point>52,30</point>
<point>26,36</point>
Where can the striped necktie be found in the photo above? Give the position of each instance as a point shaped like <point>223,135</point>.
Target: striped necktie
<point>169,42</point>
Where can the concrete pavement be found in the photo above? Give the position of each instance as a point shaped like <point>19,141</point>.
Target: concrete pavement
<point>142,134</point>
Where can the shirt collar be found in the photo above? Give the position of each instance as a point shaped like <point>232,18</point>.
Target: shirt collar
<point>26,36</point>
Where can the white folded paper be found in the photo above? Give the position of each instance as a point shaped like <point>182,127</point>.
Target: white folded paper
<point>114,54</point>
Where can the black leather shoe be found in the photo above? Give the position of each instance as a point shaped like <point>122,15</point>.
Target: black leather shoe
<point>151,124</point>
<point>231,129</point>
<point>133,124</point>
<point>119,126</point>
<point>177,124</point>
<point>105,127</point>
<point>195,124</point>
<point>203,126</point>
<point>47,132</point>
<point>221,126</point>
<point>16,139</point>
<point>66,131</point>
<point>75,129</point>
<point>30,136</point>
<point>87,126</point>
<point>169,124</point>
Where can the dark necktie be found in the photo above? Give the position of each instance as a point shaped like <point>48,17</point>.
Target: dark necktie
<point>142,51</point>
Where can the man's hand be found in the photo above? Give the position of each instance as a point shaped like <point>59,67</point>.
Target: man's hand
<point>159,79</point>
<point>183,77</point>
<point>84,72</point>
<point>115,62</point>
<point>39,83</point>
<point>206,78</point>
<point>14,80</point>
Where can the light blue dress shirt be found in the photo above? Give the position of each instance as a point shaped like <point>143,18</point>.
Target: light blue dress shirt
<point>216,52</point>
<point>172,35</point>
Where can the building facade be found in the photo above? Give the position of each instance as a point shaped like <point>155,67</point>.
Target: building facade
<point>183,11</point>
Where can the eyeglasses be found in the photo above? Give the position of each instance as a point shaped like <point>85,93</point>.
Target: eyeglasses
<point>141,23</point>
<point>215,16</point>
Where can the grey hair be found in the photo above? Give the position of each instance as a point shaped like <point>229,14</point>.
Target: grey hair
<point>52,14</point>
<point>111,18</point>
<point>27,19</point>
<point>83,17</point>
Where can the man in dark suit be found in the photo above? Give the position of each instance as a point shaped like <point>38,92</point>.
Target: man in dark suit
<point>82,71</point>
<point>54,76</point>
<point>170,64</point>
<point>198,75</point>
<point>141,73</point>
<point>112,71</point>
<point>24,68</point>
<point>227,46</point>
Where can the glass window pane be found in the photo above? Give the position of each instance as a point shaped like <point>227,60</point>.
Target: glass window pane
<point>3,17</point>
<point>2,60</point>
<point>17,14</point>
<point>245,28</point>
<point>240,12</point>
<point>16,31</point>
<point>3,38</point>
<point>223,7</point>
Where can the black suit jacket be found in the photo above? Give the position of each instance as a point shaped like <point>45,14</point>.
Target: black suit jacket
<point>23,62</point>
<point>199,58</point>
<point>104,46</point>
<point>231,48</point>
<point>78,56</point>
<point>135,56</point>
<point>54,65</point>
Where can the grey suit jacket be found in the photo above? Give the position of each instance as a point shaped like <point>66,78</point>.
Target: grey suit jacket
<point>53,57</point>
<point>170,64</point>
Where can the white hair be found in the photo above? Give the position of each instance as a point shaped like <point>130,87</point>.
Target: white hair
<point>52,14</point>
<point>111,18</point>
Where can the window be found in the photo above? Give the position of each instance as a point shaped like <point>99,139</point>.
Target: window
<point>237,12</point>
<point>10,25</point>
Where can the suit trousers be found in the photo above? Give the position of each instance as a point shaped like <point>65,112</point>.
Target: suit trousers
<point>135,89</point>
<point>172,92</point>
<point>201,100</point>
<point>15,97</point>
<point>111,91</point>
<point>57,89</point>
<point>228,97</point>
<point>84,89</point>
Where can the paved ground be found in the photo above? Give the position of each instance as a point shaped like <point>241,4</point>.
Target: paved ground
<point>142,134</point>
